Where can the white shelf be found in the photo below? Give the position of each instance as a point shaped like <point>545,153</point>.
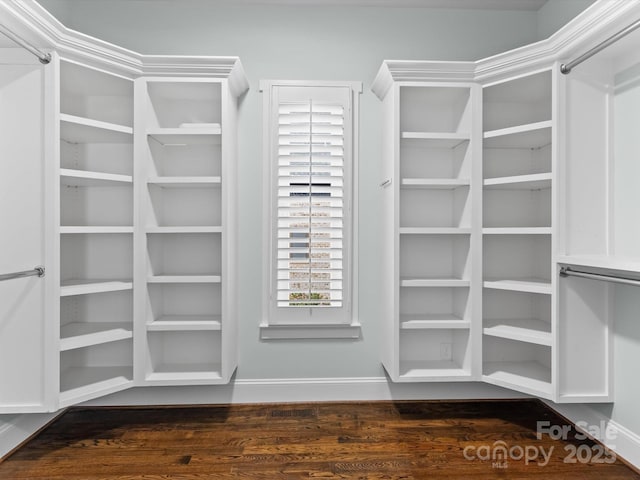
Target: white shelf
<point>83,383</point>
<point>439,139</point>
<point>535,181</point>
<point>532,135</point>
<point>425,322</point>
<point>184,279</point>
<point>418,370</point>
<point>85,229</point>
<point>435,183</point>
<point>527,377</point>
<point>434,231</point>
<point>185,136</point>
<point>529,285</point>
<point>75,129</point>
<point>85,287</point>
<point>528,330</point>
<point>184,229</point>
<point>169,323</point>
<point>79,335</point>
<point>188,372</point>
<point>184,182</point>
<point>434,282</point>
<point>517,231</point>
<point>82,178</point>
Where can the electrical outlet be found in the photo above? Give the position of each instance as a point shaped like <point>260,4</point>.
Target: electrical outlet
<point>445,351</point>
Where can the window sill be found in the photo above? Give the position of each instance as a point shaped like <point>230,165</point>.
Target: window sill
<point>302,332</point>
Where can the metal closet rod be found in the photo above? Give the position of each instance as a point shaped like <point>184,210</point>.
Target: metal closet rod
<point>44,58</point>
<point>37,271</point>
<point>567,67</point>
<point>569,272</point>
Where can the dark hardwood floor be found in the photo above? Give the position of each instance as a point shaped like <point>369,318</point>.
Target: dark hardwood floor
<point>377,440</point>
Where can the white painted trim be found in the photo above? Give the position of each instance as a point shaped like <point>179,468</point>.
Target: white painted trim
<point>420,71</point>
<point>626,443</point>
<point>288,390</point>
<point>600,20</point>
<point>530,5</point>
<point>31,20</point>
<point>15,429</point>
<point>298,331</point>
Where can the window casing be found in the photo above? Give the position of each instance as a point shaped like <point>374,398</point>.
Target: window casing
<point>309,213</point>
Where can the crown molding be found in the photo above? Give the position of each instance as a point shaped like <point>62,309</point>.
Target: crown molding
<point>420,71</point>
<point>599,21</point>
<point>530,5</point>
<point>31,21</point>
<point>596,23</point>
<point>197,66</point>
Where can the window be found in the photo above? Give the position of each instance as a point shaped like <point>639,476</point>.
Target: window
<point>310,158</point>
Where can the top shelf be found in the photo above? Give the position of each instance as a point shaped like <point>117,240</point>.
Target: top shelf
<point>445,109</point>
<point>535,181</point>
<point>518,101</point>
<point>184,104</point>
<point>530,135</point>
<point>82,178</point>
<point>436,139</point>
<point>185,182</point>
<point>92,93</point>
<point>178,137</point>
<point>76,129</point>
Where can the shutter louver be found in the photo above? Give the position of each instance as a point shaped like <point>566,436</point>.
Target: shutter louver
<point>310,230</point>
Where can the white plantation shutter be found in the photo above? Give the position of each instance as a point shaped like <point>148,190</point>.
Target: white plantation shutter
<point>310,204</point>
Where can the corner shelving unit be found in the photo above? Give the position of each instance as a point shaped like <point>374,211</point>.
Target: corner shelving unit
<point>428,209</point>
<point>518,228</point>
<point>480,215</point>
<point>96,232</point>
<point>185,138</point>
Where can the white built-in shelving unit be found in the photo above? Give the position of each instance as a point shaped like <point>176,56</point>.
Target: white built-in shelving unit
<point>475,209</point>
<point>185,140</point>
<point>139,188</point>
<point>518,225</point>
<point>96,226</point>
<point>599,217</point>
<point>428,189</point>
<point>598,222</point>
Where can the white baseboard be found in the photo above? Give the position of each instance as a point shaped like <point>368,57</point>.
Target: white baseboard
<point>622,441</point>
<point>304,390</point>
<point>15,429</point>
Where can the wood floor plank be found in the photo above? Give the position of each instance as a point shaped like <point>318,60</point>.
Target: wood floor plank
<point>359,440</point>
